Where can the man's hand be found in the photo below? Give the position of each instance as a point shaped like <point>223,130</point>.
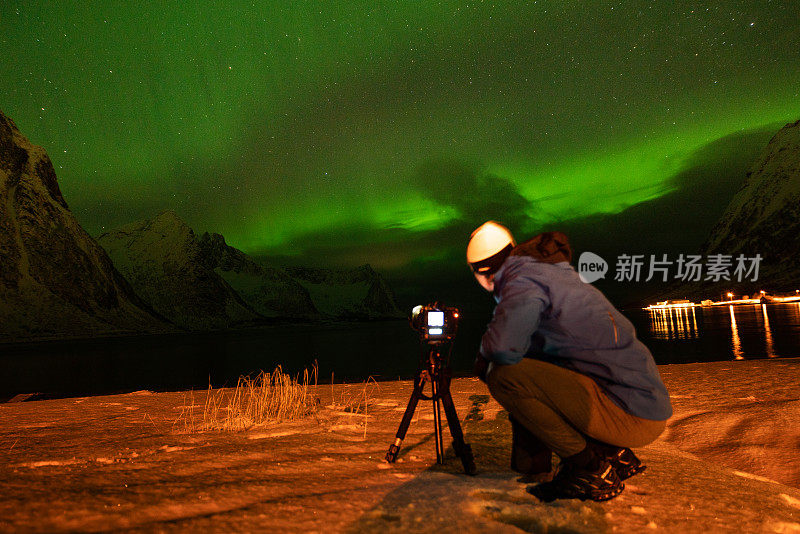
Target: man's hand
<point>481,367</point>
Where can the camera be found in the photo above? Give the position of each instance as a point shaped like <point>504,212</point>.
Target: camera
<point>434,322</point>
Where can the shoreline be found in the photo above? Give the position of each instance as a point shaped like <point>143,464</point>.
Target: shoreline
<point>725,463</point>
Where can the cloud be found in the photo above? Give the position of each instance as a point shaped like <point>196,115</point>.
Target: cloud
<point>680,220</point>
<point>677,222</point>
<point>475,195</point>
<point>426,264</point>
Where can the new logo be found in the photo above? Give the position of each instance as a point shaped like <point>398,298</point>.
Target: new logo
<point>591,267</point>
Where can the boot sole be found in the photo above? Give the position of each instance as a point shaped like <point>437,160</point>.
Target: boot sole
<point>625,475</point>
<point>545,495</point>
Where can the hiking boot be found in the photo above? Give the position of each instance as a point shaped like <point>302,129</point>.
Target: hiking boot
<point>573,482</point>
<point>625,463</point>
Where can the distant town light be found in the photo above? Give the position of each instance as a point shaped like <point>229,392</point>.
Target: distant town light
<point>732,301</point>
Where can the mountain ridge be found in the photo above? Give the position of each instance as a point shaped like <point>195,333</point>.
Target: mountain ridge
<point>191,279</point>
<point>163,260</point>
<point>762,218</point>
<point>55,280</point>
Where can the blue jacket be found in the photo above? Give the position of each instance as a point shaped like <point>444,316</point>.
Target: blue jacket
<point>545,311</point>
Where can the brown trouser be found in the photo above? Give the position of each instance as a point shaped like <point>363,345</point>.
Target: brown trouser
<point>561,407</point>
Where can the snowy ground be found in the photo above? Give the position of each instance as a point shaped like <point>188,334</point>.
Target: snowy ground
<point>728,462</point>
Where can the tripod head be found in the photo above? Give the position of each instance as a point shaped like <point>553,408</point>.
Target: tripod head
<point>435,323</point>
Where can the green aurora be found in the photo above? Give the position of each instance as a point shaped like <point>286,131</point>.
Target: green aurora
<point>375,125</point>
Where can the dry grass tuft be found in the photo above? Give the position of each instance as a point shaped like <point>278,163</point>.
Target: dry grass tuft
<point>353,398</point>
<point>267,398</point>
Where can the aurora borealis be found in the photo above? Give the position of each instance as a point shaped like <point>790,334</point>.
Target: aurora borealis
<point>382,130</point>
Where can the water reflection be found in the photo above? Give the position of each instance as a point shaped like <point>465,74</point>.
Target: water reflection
<point>673,323</point>
<point>767,333</point>
<point>706,333</point>
<point>735,341</point>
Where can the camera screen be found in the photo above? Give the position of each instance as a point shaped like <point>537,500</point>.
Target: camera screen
<point>435,318</point>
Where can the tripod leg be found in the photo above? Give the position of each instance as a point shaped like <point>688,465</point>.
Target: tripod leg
<point>416,394</point>
<point>462,448</point>
<point>437,420</point>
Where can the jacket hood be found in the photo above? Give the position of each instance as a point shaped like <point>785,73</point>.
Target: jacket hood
<point>547,247</point>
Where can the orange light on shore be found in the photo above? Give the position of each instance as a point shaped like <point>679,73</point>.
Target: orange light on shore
<point>732,300</point>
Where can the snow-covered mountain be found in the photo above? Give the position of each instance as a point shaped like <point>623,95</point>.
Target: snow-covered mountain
<point>164,262</point>
<point>302,292</point>
<point>268,290</point>
<point>359,293</point>
<point>55,280</point>
<point>764,215</point>
<point>204,283</point>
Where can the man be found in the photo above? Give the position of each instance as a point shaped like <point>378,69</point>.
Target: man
<point>567,367</point>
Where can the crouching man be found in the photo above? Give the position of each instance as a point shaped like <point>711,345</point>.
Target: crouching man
<point>567,367</point>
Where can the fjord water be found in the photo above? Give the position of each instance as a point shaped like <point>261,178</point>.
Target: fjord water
<point>356,351</point>
<point>709,333</point>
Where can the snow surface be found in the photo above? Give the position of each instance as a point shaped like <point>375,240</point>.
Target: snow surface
<point>728,462</point>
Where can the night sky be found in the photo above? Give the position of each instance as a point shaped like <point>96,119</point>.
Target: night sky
<point>382,132</point>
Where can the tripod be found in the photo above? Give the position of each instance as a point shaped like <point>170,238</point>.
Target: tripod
<point>436,369</point>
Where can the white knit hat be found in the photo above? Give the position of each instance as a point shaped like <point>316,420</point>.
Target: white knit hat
<point>488,247</point>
